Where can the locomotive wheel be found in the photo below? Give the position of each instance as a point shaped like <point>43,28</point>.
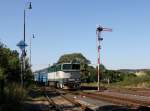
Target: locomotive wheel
<point>58,85</point>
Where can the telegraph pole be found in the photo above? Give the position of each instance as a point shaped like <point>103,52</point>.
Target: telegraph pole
<point>24,51</point>
<point>99,29</point>
<point>22,44</point>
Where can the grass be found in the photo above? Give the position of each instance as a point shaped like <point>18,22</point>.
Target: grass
<point>15,96</point>
<point>35,94</point>
<point>89,84</point>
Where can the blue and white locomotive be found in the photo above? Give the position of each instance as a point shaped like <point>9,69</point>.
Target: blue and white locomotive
<point>65,75</point>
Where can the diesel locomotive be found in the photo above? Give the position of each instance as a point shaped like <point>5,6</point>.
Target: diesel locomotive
<point>65,75</point>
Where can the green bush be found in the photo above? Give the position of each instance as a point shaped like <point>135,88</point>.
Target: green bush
<point>13,97</point>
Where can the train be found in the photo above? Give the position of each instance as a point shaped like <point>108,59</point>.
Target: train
<point>64,75</point>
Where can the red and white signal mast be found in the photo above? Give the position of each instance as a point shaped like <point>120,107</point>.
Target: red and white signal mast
<point>99,29</point>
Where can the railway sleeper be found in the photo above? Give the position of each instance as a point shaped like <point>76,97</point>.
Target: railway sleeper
<point>84,107</point>
<point>53,105</point>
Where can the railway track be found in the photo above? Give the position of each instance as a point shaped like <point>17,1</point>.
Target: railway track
<point>132,100</point>
<point>129,101</point>
<point>54,106</point>
<point>134,91</point>
<point>132,97</point>
<point>64,103</point>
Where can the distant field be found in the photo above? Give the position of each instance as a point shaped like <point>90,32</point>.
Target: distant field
<point>120,84</point>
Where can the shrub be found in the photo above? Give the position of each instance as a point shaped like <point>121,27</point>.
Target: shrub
<point>13,97</point>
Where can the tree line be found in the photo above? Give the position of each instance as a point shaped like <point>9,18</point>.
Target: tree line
<point>114,77</point>
<point>89,73</point>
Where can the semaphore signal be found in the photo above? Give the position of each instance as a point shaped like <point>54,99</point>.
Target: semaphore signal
<point>99,29</point>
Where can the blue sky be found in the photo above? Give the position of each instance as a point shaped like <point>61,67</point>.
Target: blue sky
<point>66,26</point>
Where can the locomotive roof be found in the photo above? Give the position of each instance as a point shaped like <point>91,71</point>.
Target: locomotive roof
<point>63,63</point>
<point>45,70</point>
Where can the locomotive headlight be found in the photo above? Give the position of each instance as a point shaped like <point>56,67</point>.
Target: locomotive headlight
<point>77,79</point>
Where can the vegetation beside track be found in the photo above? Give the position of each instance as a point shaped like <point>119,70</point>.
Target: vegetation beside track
<point>35,94</point>
<point>127,81</point>
<point>16,98</point>
<point>138,81</point>
<point>13,98</point>
<point>12,94</point>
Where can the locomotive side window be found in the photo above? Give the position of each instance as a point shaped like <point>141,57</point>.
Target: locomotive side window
<point>58,68</point>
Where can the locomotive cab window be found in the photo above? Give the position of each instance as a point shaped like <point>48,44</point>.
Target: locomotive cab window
<point>67,66</point>
<point>75,66</point>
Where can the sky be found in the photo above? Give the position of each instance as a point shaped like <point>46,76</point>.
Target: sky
<point>68,26</point>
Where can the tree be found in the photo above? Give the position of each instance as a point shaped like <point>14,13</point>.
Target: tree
<point>13,73</point>
<point>1,83</point>
<point>74,57</point>
<point>92,74</point>
<point>10,65</point>
<point>3,65</point>
<point>111,76</point>
<point>28,77</point>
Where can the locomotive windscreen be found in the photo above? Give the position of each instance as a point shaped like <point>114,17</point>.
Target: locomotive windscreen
<point>75,66</point>
<point>67,66</point>
<point>71,66</point>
